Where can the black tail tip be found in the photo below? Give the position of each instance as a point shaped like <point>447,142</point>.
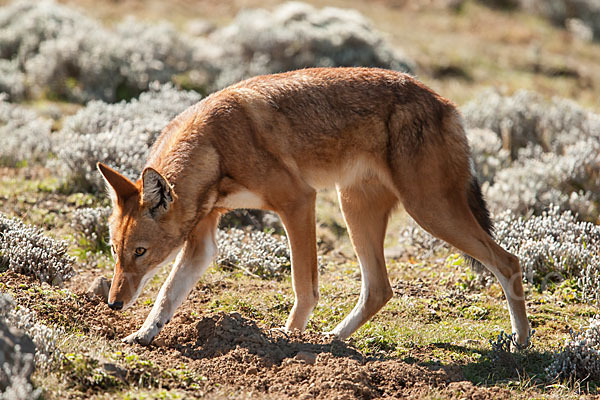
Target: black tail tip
<point>479,207</point>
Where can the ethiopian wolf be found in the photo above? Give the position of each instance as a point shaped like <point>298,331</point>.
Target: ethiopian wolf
<point>270,142</point>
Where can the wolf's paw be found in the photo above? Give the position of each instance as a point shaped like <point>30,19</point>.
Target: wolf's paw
<point>140,337</point>
<point>522,344</point>
<point>330,335</point>
<point>279,331</point>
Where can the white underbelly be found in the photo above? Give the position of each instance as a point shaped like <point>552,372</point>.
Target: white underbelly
<point>349,173</point>
<point>241,199</point>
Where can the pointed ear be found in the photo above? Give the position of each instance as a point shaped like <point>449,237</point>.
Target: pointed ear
<point>119,186</point>
<point>157,194</point>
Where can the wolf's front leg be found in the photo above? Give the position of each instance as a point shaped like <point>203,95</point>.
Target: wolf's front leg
<point>198,251</point>
<point>299,221</point>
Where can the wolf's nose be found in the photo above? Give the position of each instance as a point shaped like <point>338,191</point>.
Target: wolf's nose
<point>117,305</point>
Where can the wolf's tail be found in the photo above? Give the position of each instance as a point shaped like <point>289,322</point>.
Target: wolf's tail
<point>479,209</point>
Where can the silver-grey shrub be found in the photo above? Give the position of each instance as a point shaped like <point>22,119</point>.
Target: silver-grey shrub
<point>24,135</point>
<point>16,358</point>
<point>119,135</point>
<point>545,152</point>
<point>513,118</point>
<point>26,250</point>
<point>579,358</point>
<point>59,48</point>
<point>12,80</point>
<point>297,35</point>
<point>562,11</point>
<point>552,247</point>
<point>488,154</point>
<point>419,241</point>
<point>16,365</point>
<point>526,118</point>
<point>535,180</point>
<point>91,227</point>
<point>46,340</point>
<point>254,252</point>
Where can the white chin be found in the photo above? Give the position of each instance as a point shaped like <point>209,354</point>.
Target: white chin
<point>126,306</point>
<point>149,275</point>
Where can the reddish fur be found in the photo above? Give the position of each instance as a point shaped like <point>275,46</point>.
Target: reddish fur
<point>381,136</point>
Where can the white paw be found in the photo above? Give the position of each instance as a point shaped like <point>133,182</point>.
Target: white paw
<point>141,337</point>
<point>280,331</point>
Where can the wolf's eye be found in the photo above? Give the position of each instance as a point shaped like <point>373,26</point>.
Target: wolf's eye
<point>139,251</point>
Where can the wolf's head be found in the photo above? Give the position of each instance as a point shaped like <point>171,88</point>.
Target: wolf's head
<point>143,233</point>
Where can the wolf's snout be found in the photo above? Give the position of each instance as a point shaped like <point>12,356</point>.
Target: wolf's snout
<point>117,305</point>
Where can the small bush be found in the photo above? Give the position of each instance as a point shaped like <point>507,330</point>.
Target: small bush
<point>117,134</point>
<point>91,228</point>
<point>579,359</point>
<point>561,12</point>
<point>25,137</point>
<point>12,80</point>
<point>552,247</point>
<point>18,368</point>
<point>544,153</point>
<point>297,35</point>
<point>488,154</point>
<point>256,219</point>
<point>254,252</point>
<point>26,250</point>
<point>538,179</point>
<point>63,53</point>
<point>526,119</point>
<point>420,241</point>
<point>44,337</point>
<point>74,57</point>
<point>16,358</point>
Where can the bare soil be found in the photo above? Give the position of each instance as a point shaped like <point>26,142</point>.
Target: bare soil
<point>227,350</point>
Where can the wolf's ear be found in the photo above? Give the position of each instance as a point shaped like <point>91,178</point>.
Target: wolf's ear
<point>119,186</point>
<point>157,194</point>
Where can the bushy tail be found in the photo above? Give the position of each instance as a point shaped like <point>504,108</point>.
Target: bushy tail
<point>479,209</point>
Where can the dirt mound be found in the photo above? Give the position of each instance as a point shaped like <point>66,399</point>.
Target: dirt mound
<point>227,350</point>
<point>234,351</point>
<point>218,334</point>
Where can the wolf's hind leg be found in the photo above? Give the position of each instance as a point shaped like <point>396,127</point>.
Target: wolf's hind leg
<point>366,210</point>
<point>455,223</point>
